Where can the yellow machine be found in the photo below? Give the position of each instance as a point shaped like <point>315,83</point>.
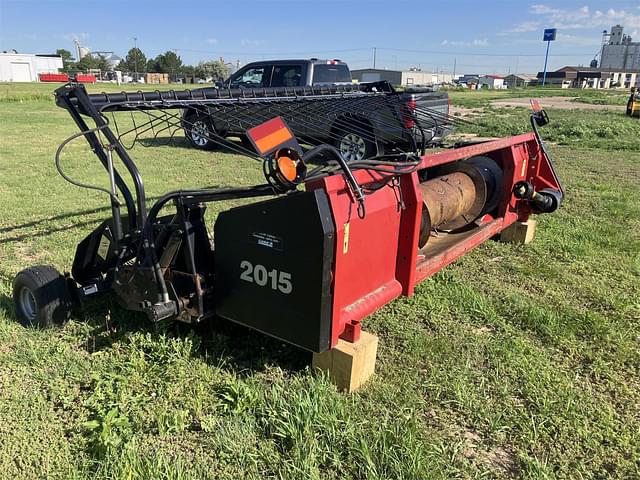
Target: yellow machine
<point>633,105</point>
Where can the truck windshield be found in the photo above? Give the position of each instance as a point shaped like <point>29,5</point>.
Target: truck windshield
<point>331,74</point>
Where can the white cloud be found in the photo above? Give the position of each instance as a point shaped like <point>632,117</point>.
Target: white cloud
<point>583,17</point>
<point>212,41</point>
<point>578,41</point>
<point>525,27</point>
<point>522,27</point>
<point>70,37</point>
<point>474,43</point>
<point>245,41</point>
<point>543,9</point>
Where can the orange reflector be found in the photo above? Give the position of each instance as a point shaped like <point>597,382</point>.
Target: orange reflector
<point>535,105</point>
<point>270,135</point>
<point>288,168</point>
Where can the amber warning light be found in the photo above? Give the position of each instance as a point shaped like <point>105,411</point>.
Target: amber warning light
<point>284,170</point>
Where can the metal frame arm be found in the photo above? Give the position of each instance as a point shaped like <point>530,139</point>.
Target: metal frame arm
<point>74,99</point>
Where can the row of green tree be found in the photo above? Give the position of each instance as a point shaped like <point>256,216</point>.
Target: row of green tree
<point>136,62</point>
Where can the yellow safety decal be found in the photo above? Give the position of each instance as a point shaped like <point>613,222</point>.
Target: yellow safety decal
<point>103,247</point>
<point>345,242</point>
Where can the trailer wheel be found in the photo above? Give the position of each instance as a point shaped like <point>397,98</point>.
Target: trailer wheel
<point>354,146</point>
<point>41,297</point>
<point>199,130</point>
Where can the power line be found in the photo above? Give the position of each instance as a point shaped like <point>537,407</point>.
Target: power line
<point>478,54</point>
<point>312,52</point>
<point>377,50</point>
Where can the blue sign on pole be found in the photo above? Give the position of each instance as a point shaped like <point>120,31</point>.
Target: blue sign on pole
<point>549,36</point>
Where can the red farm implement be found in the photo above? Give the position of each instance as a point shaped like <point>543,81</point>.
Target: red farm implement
<point>323,246</point>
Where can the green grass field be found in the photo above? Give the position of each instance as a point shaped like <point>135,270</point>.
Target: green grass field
<point>598,130</point>
<point>482,98</point>
<point>514,362</point>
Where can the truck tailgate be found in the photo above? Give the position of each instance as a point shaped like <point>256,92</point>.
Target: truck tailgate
<point>431,111</point>
<point>437,101</point>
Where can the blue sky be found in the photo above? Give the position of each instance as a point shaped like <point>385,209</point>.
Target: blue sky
<point>479,36</point>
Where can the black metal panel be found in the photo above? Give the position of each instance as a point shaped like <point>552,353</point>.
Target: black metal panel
<point>94,255</point>
<point>273,262</point>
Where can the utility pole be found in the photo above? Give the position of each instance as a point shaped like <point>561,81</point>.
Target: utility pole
<point>455,61</point>
<point>546,57</point>
<point>549,36</point>
<point>374,57</point>
<point>77,49</point>
<point>135,58</point>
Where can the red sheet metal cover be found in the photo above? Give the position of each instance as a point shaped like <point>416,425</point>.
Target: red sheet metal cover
<point>366,251</point>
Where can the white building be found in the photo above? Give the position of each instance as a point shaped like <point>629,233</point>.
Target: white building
<point>113,60</point>
<point>619,51</point>
<point>492,82</point>
<point>25,67</point>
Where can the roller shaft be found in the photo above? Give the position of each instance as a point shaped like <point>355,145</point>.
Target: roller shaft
<point>448,197</point>
<point>461,193</point>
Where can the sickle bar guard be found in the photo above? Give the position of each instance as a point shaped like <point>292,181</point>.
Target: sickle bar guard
<point>306,266</point>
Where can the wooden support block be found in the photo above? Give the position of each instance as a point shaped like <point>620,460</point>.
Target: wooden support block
<point>349,364</point>
<point>519,232</point>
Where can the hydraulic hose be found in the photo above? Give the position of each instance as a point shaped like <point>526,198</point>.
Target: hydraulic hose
<point>351,181</point>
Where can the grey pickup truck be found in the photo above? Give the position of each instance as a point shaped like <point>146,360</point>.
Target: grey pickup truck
<point>364,132</point>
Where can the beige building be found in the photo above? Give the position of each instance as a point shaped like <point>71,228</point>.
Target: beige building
<point>405,78</point>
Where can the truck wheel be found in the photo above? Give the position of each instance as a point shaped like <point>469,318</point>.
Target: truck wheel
<point>354,147</point>
<point>41,297</point>
<point>199,131</point>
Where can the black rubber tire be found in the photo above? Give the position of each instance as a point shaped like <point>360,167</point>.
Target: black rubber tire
<point>50,294</point>
<point>202,142</point>
<point>366,147</point>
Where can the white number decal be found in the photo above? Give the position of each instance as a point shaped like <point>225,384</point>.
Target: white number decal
<point>259,275</point>
<point>247,269</point>
<point>273,275</point>
<point>284,282</point>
